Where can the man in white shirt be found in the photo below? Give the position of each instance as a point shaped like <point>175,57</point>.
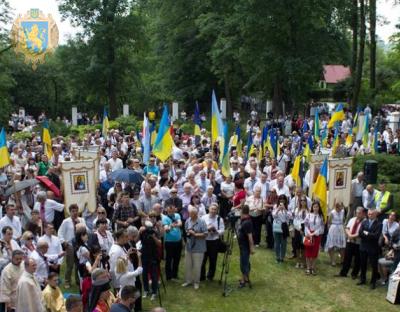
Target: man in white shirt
<point>105,172</point>
<point>295,201</point>
<point>118,250</point>
<point>357,188</point>
<point>272,170</point>
<point>202,182</point>
<point>66,234</point>
<point>115,162</point>
<point>216,228</point>
<point>368,197</point>
<point>250,183</point>
<point>46,207</point>
<point>234,167</point>
<point>42,261</point>
<point>284,160</point>
<point>10,219</point>
<point>55,250</point>
<point>263,185</point>
<point>281,188</point>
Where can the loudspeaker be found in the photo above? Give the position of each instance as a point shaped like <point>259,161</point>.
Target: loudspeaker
<point>371,171</point>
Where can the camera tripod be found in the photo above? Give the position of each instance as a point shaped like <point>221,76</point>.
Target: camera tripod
<point>226,261</point>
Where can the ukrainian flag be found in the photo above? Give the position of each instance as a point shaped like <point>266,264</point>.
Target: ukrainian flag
<point>106,123</point>
<point>226,169</point>
<point>308,149</point>
<point>217,126</point>
<point>46,139</point>
<point>271,144</point>
<point>365,138</point>
<point>261,152</point>
<point>316,125</point>
<point>197,124</point>
<point>324,137</point>
<point>250,146</point>
<point>163,144</point>
<point>320,188</point>
<point>338,115</point>
<point>336,141</point>
<point>296,170</point>
<point>374,145</point>
<point>349,138</point>
<point>4,155</point>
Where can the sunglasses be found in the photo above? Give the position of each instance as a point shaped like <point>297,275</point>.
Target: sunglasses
<point>100,212</point>
<point>29,238</point>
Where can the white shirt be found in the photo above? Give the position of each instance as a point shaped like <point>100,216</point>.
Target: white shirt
<point>55,247</point>
<point>284,190</point>
<point>249,184</point>
<point>350,225</point>
<point>66,232</point>
<point>49,207</point>
<point>228,188</point>
<point>295,203</point>
<point>264,188</point>
<point>214,222</point>
<point>115,164</point>
<point>128,278</point>
<point>14,223</point>
<point>106,241</point>
<point>103,175</point>
<point>117,251</point>
<point>368,199</point>
<point>42,270</point>
<point>357,188</point>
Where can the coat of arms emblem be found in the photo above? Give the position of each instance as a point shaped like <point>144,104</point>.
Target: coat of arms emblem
<point>34,35</point>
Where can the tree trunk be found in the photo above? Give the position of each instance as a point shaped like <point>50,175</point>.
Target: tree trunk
<point>354,28</point>
<point>229,105</point>
<point>112,88</point>
<point>360,58</point>
<point>277,99</point>
<point>372,33</point>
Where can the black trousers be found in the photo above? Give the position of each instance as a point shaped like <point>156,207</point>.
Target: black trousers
<point>373,260</point>
<point>257,225</point>
<point>138,302</point>
<point>351,252</point>
<point>270,234</point>
<point>212,255</point>
<point>173,252</point>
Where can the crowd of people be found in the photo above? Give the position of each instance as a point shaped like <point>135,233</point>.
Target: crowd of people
<point>118,255</point>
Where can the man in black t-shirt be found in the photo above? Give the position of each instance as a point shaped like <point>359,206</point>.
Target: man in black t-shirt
<point>246,245</point>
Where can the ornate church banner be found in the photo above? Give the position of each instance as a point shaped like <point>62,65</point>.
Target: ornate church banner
<point>79,185</point>
<point>89,153</point>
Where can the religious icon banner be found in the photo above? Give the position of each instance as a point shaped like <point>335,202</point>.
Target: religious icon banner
<point>79,184</point>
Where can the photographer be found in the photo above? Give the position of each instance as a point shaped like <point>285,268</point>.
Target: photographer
<point>196,232</point>
<point>151,244</point>
<point>118,250</point>
<point>246,245</point>
<point>216,228</point>
<point>173,242</point>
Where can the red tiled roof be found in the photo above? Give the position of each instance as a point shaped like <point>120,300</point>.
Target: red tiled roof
<point>336,73</point>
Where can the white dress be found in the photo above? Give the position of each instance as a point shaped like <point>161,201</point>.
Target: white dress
<point>336,235</point>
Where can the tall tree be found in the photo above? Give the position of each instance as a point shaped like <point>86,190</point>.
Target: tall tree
<point>360,57</point>
<point>354,30</point>
<point>113,31</point>
<point>372,35</point>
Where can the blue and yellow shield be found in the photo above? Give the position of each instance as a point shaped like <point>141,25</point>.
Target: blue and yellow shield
<point>35,35</point>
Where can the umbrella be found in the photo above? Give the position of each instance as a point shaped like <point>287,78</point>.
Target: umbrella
<point>20,185</point>
<point>127,176</point>
<point>49,185</point>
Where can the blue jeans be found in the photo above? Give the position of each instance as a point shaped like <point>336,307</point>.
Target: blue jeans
<point>244,260</point>
<point>280,246</point>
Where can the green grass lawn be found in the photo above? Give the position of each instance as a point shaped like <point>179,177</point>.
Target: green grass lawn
<point>276,287</point>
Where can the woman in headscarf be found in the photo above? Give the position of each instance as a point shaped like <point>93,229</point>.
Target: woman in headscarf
<point>100,298</point>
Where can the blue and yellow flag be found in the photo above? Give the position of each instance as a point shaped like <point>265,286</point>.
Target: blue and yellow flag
<point>374,145</point>
<point>106,123</point>
<point>324,137</point>
<point>296,170</point>
<point>349,138</point>
<point>4,155</point>
<point>309,149</point>
<point>336,141</point>
<point>316,125</point>
<point>338,115</point>
<point>271,144</point>
<point>250,145</point>
<point>226,169</point>
<point>365,137</point>
<point>320,188</point>
<point>261,147</point>
<point>217,126</point>
<point>46,139</point>
<point>197,123</point>
<point>163,144</point>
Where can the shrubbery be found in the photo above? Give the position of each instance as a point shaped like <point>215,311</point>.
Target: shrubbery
<point>388,166</point>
